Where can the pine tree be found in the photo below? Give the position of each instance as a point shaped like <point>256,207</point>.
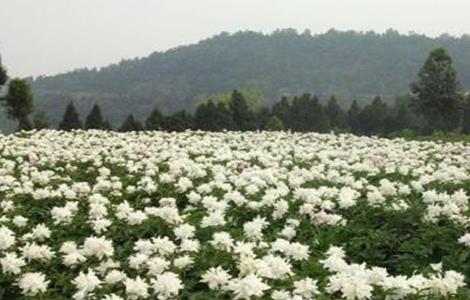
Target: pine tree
<point>335,114</point>
<point>372,117</point>
<point>466,117</point>
<point>131,124</point>
<point>179,121</point>
<point>19,103</point>
<point>204,117</point>
<point>154,121</point>
<point>3,75</point>
<point>242,116</point>
<point>353,116</point>
<point>71,119</point>
<point>94,120</point>
<point>223,117</point>
<point>437,92</point>
<point>262,117</point>
<point>307,114</point>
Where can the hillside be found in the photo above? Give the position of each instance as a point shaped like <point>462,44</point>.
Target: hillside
<point>347,64</point>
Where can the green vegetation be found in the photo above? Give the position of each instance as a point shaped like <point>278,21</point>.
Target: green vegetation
<point>71,119</point>
<point>19,103</point>
<point>435,104</point>
<point>437,93</point>
<point>349,65</point>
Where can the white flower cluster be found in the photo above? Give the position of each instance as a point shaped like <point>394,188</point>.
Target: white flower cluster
<point>110,216</point>
<point>357,281</point>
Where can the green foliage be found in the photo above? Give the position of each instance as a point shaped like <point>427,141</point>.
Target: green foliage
<point>3,75</point>
<point>179,121</point>
<point>41,121</point>
<point>19,103</point>
<point>71,119</point>
<point>353,116</point>
<point>437,92</point>
<point>307,114</point>
<point>154,121</point>
<point>346,64</point>
<point>212,117</point>
<point>242,116</point>
<point>131,124</point>
<point>372,117</point>
<point>95,120</point>
<point>254,97</point>
<point>281,110</point>
<point>335,114</point>
<point>274,124</point>
<point>466,117</point>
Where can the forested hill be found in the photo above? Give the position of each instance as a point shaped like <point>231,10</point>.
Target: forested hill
<point>347,64</point>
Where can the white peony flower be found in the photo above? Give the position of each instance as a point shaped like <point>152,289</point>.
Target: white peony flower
<point>33,283</point>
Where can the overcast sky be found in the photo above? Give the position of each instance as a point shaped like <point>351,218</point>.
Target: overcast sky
<point>51,36</point>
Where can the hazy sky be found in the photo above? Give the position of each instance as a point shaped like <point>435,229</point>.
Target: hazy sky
<point>52,36</point>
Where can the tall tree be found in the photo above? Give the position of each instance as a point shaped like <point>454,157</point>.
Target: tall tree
<point>3,75</point>
<point>155,120</point>
<point>179,121</point>
<point>241,114</point>
<point>71,119</point>
<point>282,110</point>
<point>262,117</point>
<point>307,114</point>
<point>95,120</point>
<point>223,117</point>
<point>372,117</point>
<point>437,92</point>
<point>19,103</point>
<point>204,117</point>
<point>466,117</point>
<point>131,124</point>
<point>353,116</point>
<point>335,114</point>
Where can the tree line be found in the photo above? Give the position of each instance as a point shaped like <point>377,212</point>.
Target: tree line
<point>345,64</point>
<point>435,102</point>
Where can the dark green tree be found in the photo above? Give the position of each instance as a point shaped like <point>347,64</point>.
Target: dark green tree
<point>3,75</point>
<point>212,117</point>
<point>223,117</point>
<point>400,116</point>
<point>466,117</point>
<point>19,103</point>
<point>95,120</point>
<point>282,110</point>
<point>372,117</point>
<point>353,117</point>
<point>41,121</point>
<point>262,117</point>
<point>71,119</point>
<point>437,92</point>
<point>179,121</point>
<point>335,114</point>
<point>274,124</point>
<point>154,121</point>
<point>205,117</point>
<point>131,124</point>
<point>307,114</point>
<point>242,116</point>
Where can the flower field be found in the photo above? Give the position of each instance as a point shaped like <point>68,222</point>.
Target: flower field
<point>102,215</point>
